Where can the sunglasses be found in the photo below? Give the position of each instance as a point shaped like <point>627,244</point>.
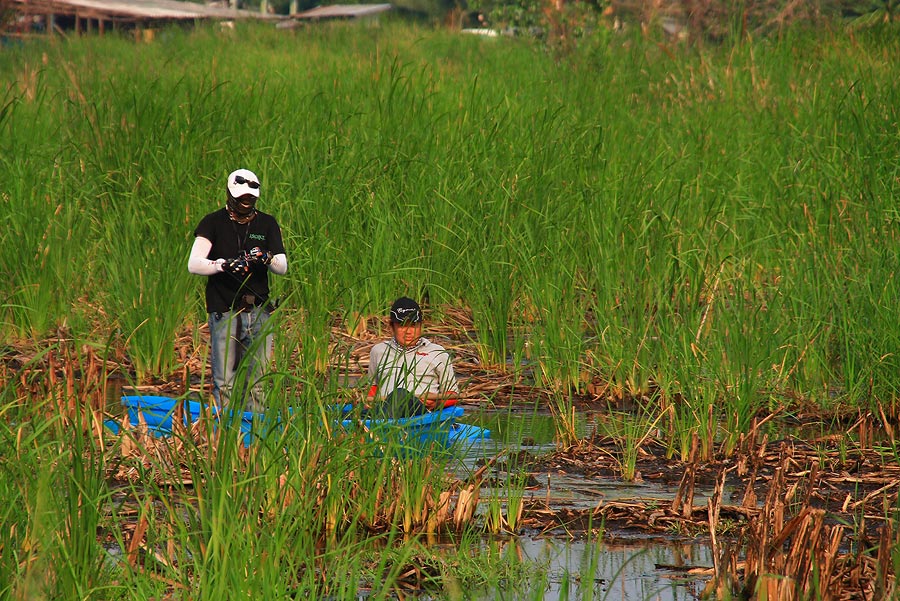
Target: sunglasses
<point>241,180</point>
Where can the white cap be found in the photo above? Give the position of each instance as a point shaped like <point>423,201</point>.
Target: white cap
<point>241,182</point>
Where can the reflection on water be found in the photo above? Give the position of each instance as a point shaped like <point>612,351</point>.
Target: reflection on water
<point>563,569</point>
<point>533,430</point>
<point>638,570</point>
<point>579,570</point>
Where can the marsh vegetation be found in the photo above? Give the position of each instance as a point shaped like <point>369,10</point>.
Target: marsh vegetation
<point>685,240</point>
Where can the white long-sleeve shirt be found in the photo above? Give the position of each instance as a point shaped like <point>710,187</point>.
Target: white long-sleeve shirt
<point>200,263</point>
<point>421,369</point>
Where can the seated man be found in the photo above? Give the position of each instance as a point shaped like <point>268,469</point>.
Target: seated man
<point>410,374</point>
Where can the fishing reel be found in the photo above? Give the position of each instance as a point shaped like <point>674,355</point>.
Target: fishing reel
<point>259,256</point>
<point>243,263</point>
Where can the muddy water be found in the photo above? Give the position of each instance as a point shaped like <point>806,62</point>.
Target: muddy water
<point>622,571</point>
<point>516,437</point>
<point>631,568</point>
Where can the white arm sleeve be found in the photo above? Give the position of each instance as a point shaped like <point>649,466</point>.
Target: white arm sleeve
<point>199,263</point>
<point>279,264</point>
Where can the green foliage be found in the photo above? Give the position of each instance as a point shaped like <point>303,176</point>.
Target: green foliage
<point>434,9</point>
<point>300,513</point>
<point>870,10</point>
<point>560,24</point>
<point>566,24</point>
<point>713,222</point>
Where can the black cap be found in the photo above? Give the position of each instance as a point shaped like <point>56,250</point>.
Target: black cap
<point>405,310</point>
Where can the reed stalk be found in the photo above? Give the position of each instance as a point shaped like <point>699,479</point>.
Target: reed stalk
<point>616,220</point>
<point>718,222</point>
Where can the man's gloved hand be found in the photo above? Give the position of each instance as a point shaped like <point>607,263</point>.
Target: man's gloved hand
<point>258,255</point>
<point>237,266</point>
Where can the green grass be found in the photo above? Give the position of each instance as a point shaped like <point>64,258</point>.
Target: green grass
<point>710,227</point>
<point>611,211</point>
<point>301,512</point>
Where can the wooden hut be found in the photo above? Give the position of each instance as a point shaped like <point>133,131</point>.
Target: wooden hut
<point>100,15</point>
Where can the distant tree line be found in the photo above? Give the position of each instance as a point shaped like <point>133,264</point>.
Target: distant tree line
<point>713,12</point>
<point>693,19</point>
<point>696,19</point>
<point>570,19</point>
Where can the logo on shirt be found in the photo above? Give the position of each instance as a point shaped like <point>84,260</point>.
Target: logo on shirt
<point>257,237</point>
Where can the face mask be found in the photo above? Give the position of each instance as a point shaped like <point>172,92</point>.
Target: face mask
<point>242,209</point>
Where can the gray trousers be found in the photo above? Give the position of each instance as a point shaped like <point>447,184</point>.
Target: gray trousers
<point>240,351</point>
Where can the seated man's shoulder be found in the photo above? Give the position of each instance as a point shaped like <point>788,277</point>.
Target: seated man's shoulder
<point>379,346</point>
<point>432,347</point>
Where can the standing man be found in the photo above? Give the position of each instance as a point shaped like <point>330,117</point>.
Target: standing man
<point>236,247</point>
<point>410,374</point>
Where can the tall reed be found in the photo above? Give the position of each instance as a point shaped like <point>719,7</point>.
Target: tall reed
<point>637,214</point>
<point>330,513</point>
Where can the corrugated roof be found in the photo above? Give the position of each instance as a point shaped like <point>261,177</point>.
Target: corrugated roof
<point>336,11</point>
<point>135,9</point>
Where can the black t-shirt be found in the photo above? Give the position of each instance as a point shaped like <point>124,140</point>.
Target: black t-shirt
<point>224,290</point>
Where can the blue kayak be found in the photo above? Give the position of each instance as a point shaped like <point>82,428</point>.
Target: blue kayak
<point>158,412</point>
<point>437,428</point>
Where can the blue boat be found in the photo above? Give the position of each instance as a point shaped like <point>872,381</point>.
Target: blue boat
<point>433,429</point>
<point>158,412</point>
